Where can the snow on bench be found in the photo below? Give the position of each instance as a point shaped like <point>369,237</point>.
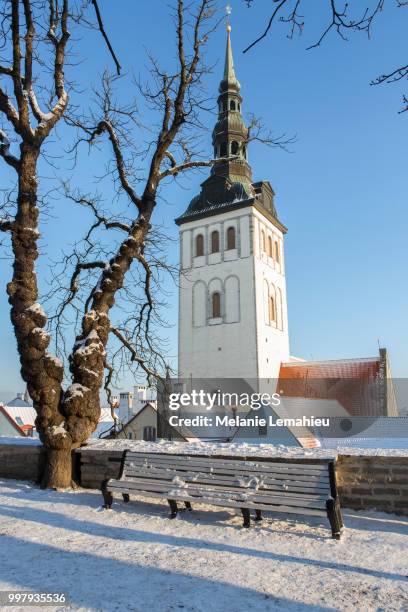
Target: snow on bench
<point>269,485</point>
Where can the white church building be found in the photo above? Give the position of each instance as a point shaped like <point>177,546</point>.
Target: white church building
<point>233,309</point>
<point>233,320</point>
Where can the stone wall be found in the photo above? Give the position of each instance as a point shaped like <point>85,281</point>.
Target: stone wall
<point>21,461</point>
<point>379,483</point>
<point>364,482</point>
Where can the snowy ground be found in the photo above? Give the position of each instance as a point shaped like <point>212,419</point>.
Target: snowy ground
<point>229,448</point>
<point>134,558</point>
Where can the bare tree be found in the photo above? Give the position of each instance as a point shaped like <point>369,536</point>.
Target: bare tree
<point>341,19</point>
<point>67,416</point>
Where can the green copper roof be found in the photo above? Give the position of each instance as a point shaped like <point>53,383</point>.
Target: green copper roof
<point>229,72</point>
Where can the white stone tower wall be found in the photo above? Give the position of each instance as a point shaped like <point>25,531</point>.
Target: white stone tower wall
<point>242,343</point>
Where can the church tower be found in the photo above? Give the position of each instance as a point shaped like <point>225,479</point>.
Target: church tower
<point>232,302</point>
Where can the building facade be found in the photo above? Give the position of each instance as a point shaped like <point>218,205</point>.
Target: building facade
<point>232,302</point>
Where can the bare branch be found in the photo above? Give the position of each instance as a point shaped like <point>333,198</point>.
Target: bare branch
<point>10,159</point>
<point>134,355</point>
<point>392,77</point>
<point>106,126</point>
<point>268,27</point>
<point>105,36</point>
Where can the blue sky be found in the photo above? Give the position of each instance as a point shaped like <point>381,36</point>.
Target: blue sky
<point>342,191</point>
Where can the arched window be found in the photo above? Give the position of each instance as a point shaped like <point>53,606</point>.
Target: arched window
<point>277,253</point>
<point>234,147</point>
<point>232,105</point>
<point>199,244</point>
<point>263,244</point>
<point>216,305</point>
<point>230,238</point>
<point>272,309</point>
<point>215,242</point>
<point>270,250</point>
<point>223,149</point>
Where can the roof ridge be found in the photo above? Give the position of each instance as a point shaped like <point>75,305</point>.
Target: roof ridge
<point>346,360</point>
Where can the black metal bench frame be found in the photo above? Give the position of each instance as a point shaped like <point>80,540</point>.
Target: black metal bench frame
<point>333,509</point>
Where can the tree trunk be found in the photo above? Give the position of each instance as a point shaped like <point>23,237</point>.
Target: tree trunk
<point>58,469</point>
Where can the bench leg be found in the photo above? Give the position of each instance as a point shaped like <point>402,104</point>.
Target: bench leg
<point>173,508</point>
<point>188,506</point>
<point>258,515</point>
<point>339,515</point>
<point>333,516</point>
<point>107,498</point>
<point>247,517</point>
<point>126,497</point>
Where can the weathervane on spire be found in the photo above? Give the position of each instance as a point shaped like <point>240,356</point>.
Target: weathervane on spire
<point>228,10</point>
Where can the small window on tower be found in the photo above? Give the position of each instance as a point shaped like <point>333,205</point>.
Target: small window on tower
<point>244,152</point>
<point>216,305</point>
<point>270,250</point>
<point>223,149</point>
<point>230,238</point>
<point>277,253</point>
<point>199,251</point>
<point>215,242</point>
<point>234,147</point>
<point>232,105</point>
<point>272,309</point>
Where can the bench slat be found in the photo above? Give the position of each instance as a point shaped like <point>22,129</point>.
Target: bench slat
<point>211,486</point>
<point>219,468</point>
<point>213,501</point>
<point>195,477</point>
<point>236,495</point>
<point>228,463</point>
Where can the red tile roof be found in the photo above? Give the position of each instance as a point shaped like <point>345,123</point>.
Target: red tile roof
<point>354,383</point>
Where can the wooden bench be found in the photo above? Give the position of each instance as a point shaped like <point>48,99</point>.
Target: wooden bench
<point>307,488</point>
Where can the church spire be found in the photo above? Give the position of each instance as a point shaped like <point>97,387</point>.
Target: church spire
<point>229,72</point>
<point>230,134</point>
